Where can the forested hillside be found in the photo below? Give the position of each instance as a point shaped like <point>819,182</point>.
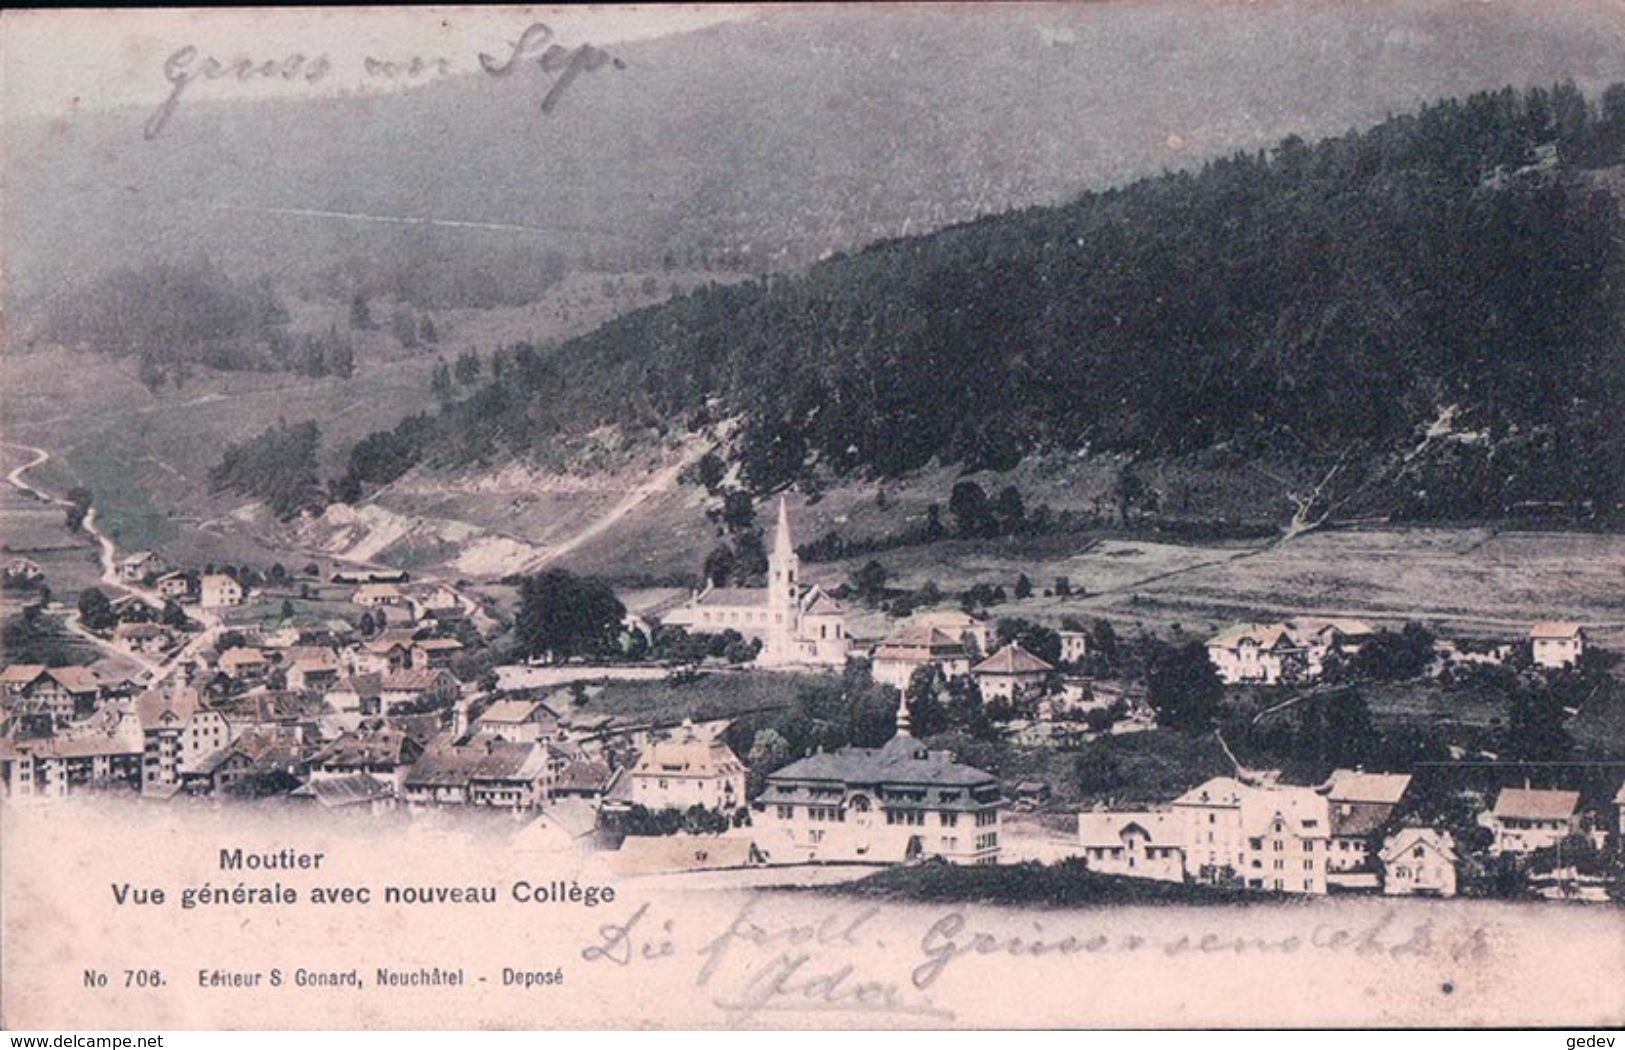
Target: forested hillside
<point>1456,269</point>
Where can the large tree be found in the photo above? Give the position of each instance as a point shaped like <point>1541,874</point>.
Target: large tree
<point>1183,687</point>
<point>562,615</point>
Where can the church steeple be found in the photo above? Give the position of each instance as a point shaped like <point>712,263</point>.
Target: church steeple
<point>784,568</point>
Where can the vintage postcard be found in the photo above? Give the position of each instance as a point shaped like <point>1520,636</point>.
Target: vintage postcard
<point>1069,515</point>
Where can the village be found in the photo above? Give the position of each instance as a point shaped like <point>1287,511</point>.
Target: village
<point>394,704</point>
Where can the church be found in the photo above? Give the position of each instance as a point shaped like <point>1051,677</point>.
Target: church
<point>799,625</point>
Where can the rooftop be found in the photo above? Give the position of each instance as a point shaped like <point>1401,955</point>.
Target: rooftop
<point>1535,804</point>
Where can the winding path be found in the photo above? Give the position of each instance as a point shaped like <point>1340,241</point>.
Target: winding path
<point>153,671</point>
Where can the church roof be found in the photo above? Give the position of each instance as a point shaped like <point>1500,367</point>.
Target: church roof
<point>733,597</point>
<point>822,605</point>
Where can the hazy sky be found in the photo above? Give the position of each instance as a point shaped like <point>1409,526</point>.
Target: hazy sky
<point>55,63</point>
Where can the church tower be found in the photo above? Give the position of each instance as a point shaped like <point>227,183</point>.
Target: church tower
<point>783,567</point>
<point>784,588</point>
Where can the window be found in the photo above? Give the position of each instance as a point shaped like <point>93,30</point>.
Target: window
<point>950,820</point>
<point>1308,865</point>
<point>787,812</point>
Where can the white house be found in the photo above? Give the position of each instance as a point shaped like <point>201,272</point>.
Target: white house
<point>175,586</point>
<point>974,632</point>
<point>1143,845</point>
<point>1074,646</point>
<point>1266,654</point>
<point>689,771</point>
<point>133,568</point>
<point>1525,819</point>
<point>1557,644</point>
<point>1010,671</point>
<point>218,590</point>
<point>1265,837</point>
<point>1419,862</point>
<point>372,595</point>
<point>896,659</point>
<point>179,732</point>
<point>1256,653</point>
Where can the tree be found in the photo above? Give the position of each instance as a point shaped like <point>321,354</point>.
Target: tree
<point>341,359</point>
<point>870,582</point>
<point>1535,731</point>
<point>440,384</point>
<point>1183,687</point>
<point>1097,770</point>
<point>1024,587</point>
<point>738,511</point>
<point>288,610</point>
<point>1388,656</point>
<point>562,615</point>
<point>971,510</point>
<point>468,367</point>
<point>750,557</point>
<point>1063,587</point>
<point>711,470</point>
<point>1008,510</point>
<point>79,499</point>
<point>96,610</point>
<point>360,313</point>
<point>719,565</point>
<point>926,714</point>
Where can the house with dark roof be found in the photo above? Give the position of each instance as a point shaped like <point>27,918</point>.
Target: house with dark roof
<point>1361,804</point>
<point>383,752</point>
<point>417,688</point>
<point>255,754</point>
<point>889,804</point>
<point>492,773</point>
<point>133,568</point>
<point>353,791</point>
<point>64,693</point>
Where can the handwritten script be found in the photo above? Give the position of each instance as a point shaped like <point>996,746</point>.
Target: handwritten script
<point>535,47</point>
<point>839,961</point>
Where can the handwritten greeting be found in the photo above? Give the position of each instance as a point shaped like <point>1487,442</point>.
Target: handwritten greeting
<point>535,47</point>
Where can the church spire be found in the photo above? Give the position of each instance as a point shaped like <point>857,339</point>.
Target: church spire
<point>783,565</point>
<point>902,716</point>
<point>783,547</point>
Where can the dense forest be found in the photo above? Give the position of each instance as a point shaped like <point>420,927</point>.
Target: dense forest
<point>176,317</point>
<point>1328,302</point>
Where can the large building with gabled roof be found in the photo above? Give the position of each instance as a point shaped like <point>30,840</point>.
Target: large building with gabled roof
<point>889,804</point>
<point>799,625</point>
